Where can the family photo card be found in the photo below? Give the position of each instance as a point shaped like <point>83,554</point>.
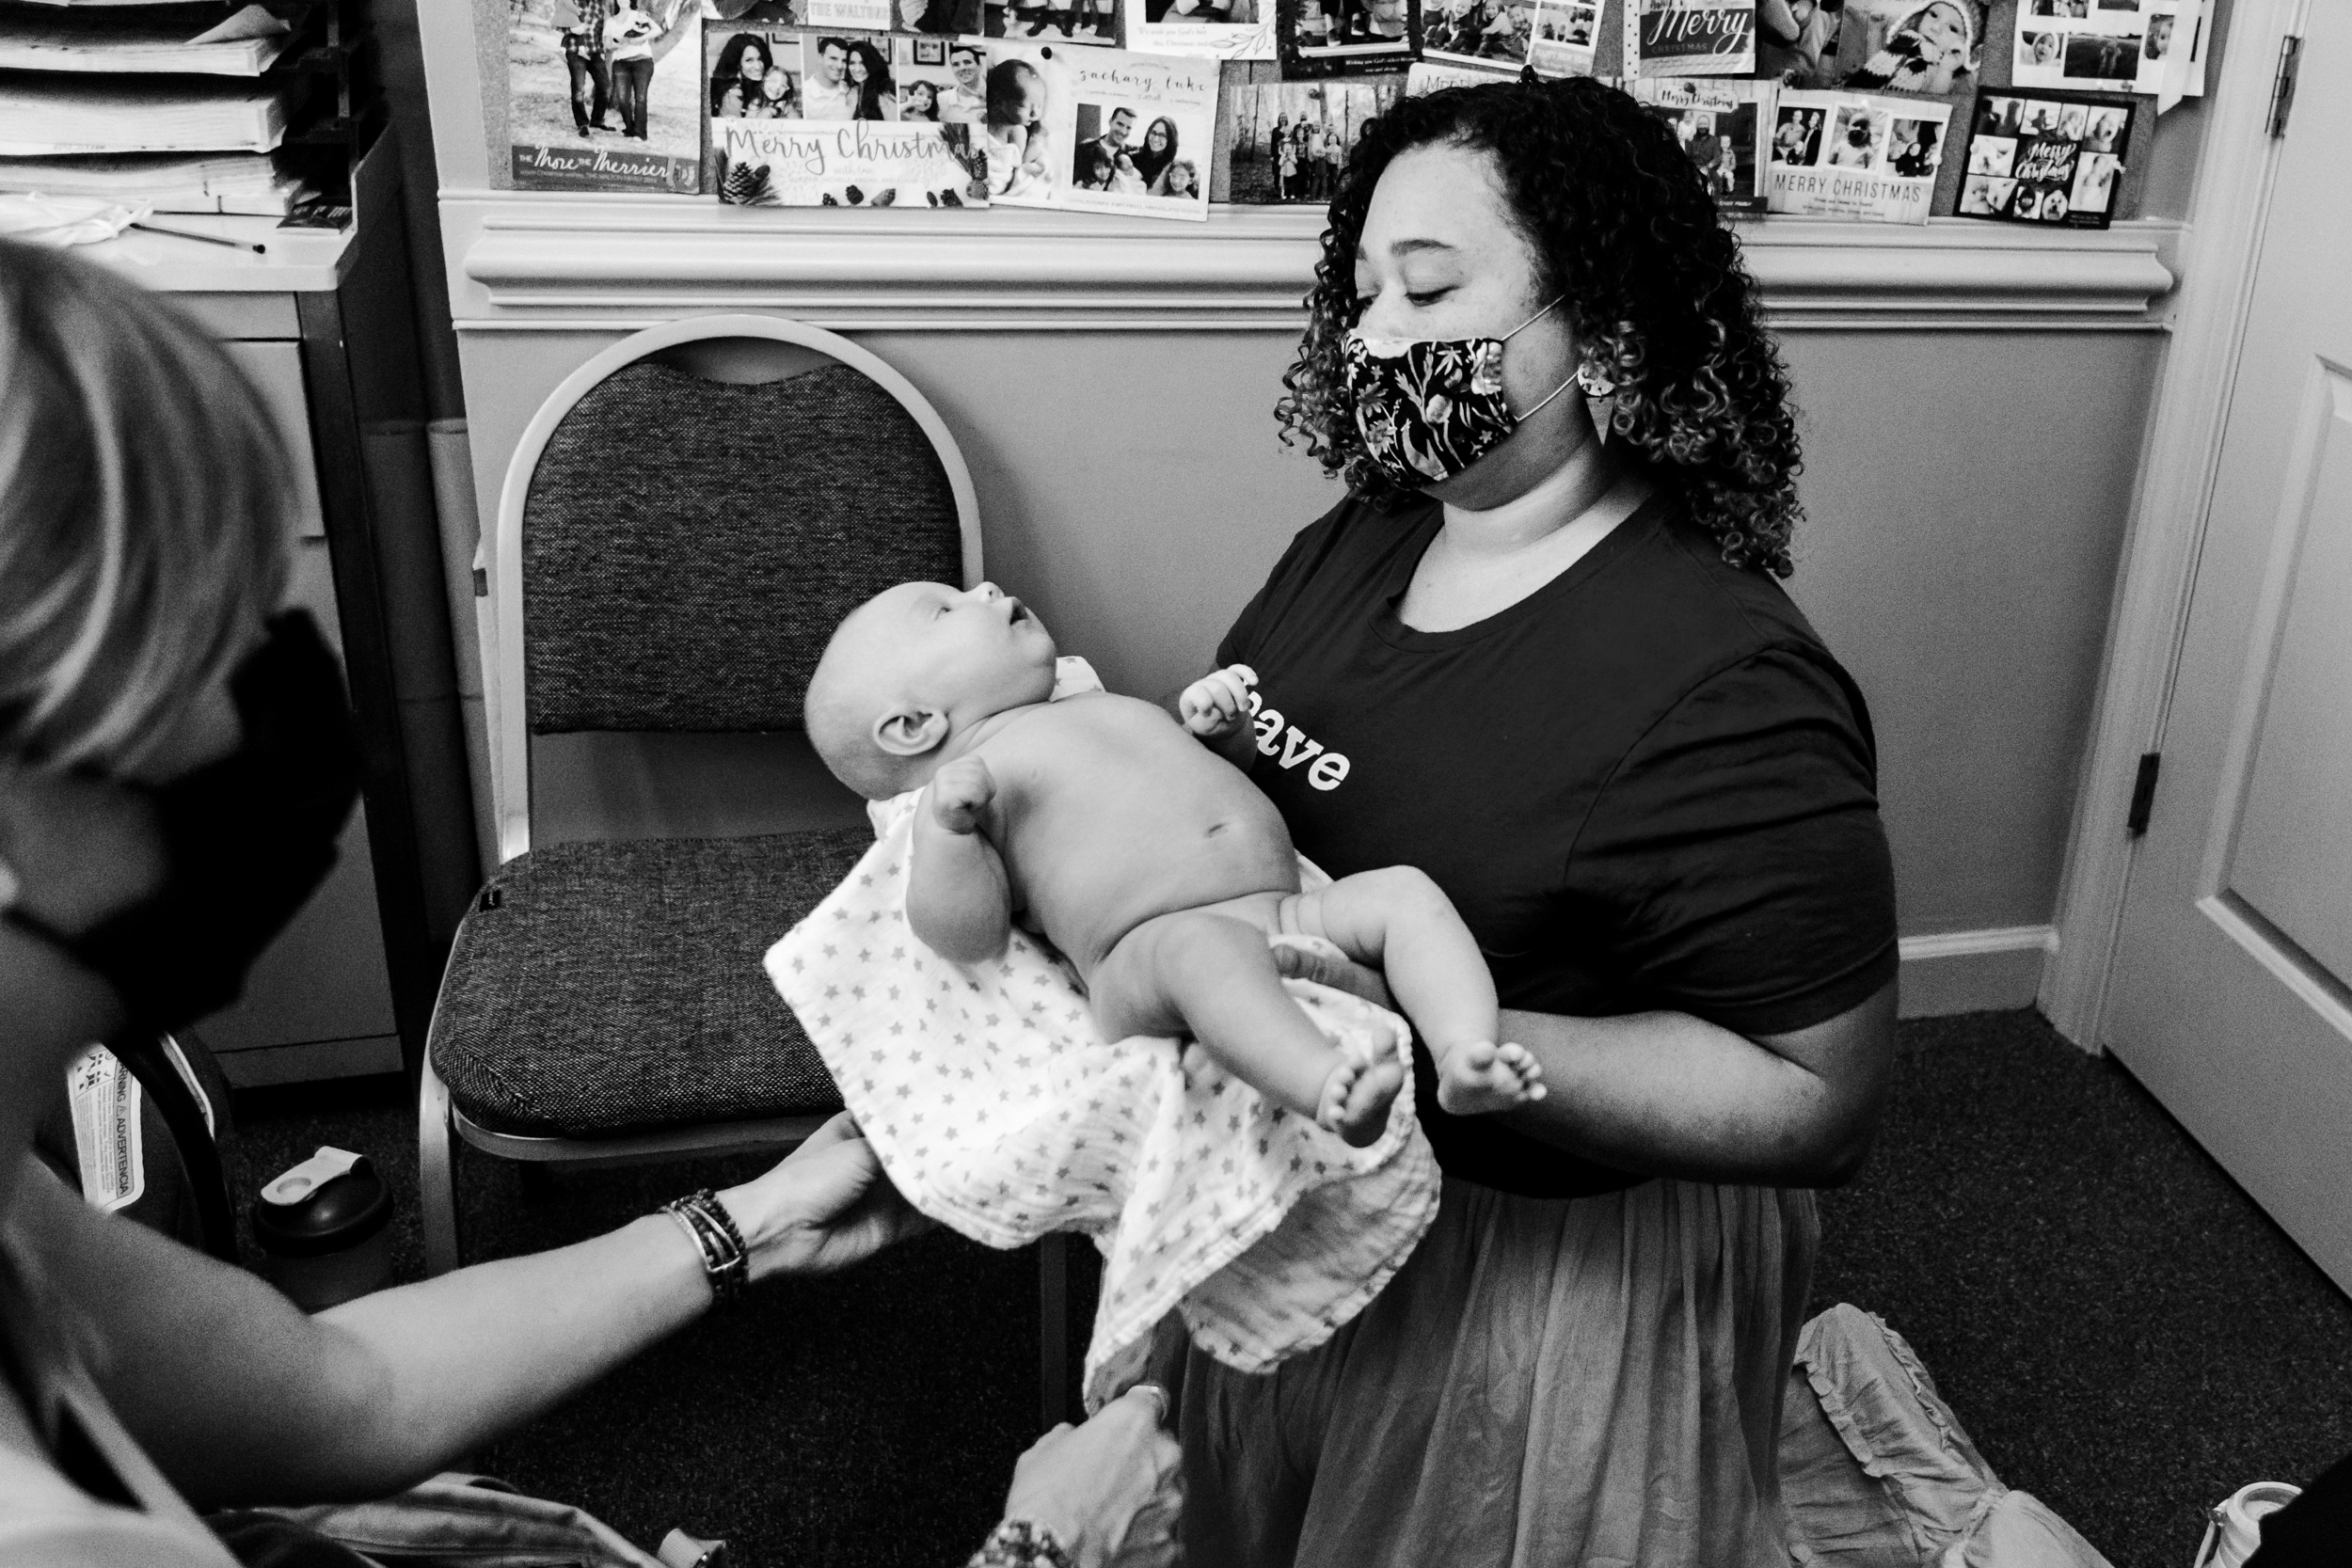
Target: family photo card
<point>1839,154</point>
<point>2045,160</point>
<point>1322,38</point>
<point>1100,130</point>
<point>602,95</point>
<point>1285,142</point>
<point>806,119</point>
<point>1218,29</point>
<point>1718,122</point>
<point>1087,21</point>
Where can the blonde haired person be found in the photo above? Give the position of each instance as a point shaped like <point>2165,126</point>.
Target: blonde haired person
<point>175,762</point>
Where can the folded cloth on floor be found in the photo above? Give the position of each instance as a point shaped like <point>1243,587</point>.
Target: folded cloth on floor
<point>999,1111</point>
<point>1877,1472</point>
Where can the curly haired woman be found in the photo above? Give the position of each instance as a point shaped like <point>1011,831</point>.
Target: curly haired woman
<point>1547,663</point>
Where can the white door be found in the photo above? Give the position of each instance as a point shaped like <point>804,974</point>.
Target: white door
<point>2232,988</point>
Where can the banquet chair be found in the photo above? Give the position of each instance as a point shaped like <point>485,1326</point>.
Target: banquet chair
<point>683,523</point>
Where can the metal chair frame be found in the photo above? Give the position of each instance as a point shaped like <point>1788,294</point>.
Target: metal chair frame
<point>441,1126</point>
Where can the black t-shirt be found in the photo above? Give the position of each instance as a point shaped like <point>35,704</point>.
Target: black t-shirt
<point>1646,785</point>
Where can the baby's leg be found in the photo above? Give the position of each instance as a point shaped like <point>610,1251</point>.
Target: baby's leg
<point>1399,921</point>
<point>1212,978</point>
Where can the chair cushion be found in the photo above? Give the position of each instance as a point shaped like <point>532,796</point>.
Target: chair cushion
<point>598,989</point>
<point>688,546</point>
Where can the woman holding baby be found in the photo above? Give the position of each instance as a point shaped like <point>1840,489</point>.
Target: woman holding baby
<point>1544,634</point>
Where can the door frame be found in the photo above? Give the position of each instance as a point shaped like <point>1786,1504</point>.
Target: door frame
<point>2228,215</point>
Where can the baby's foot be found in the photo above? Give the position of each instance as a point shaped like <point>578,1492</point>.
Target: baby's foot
<point>1357,1096</point>
<point>1478,1077</point>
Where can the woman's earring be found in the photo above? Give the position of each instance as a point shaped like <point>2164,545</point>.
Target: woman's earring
<point>1600,399</point>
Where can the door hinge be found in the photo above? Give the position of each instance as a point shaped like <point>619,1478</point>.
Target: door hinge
<point>2143,793</point>
<point>2282,85</point>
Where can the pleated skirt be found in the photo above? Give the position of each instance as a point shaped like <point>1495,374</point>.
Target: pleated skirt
<point>1546,1384</point>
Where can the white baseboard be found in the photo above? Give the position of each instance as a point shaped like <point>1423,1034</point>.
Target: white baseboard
<point>1973,971</point>
<point>302,1064</point>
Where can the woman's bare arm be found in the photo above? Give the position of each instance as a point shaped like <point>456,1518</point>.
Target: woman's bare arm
<point>241,1399</point>
<point>1666,1094</point>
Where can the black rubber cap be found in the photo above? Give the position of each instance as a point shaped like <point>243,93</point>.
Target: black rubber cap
<point>337,1214</point>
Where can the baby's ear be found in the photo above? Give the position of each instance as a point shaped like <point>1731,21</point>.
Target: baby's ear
<point>910,731</point>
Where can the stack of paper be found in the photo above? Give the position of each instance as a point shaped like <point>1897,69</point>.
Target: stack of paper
<point>46,116</point>
<point>246,182</point>
<point>188,40</point>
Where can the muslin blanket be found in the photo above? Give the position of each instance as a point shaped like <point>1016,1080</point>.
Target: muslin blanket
<point>999,1111</point>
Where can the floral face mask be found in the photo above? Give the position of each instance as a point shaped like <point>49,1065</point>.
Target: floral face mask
<point>1429,407</point>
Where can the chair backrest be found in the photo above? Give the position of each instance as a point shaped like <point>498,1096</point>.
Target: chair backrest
<point>674,548</point>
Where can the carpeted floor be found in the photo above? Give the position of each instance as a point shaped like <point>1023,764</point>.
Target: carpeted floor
<point>2123,1333</point>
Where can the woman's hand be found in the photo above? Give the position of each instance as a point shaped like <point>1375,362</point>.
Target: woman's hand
<point>1337,970</point>
<point>1112,1490</point>
<point>1214,705</point>
<point>827,1205</point>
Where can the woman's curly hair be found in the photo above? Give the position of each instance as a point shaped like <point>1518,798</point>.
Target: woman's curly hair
<point>1648,273</point>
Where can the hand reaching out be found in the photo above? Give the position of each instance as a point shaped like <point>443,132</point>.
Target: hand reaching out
<point>961,791</point>
<point>1219,702</point>
<point>1112,1490</point>
<point>826,1207</point>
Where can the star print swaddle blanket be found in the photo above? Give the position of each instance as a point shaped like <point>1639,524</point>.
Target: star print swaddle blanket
<point>999,1110</point>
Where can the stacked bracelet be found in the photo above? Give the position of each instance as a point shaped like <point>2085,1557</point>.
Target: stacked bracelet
<point>1020,1544</point>
<point>726,1259</point>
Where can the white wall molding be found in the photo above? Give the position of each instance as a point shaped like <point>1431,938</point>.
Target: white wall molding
<point>1971,971</point>
<point>519,256</point>
<point>2180,459</point>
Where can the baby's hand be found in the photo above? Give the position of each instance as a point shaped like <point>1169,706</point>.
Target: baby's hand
<point>960,792</point>
<point>1217,703</point>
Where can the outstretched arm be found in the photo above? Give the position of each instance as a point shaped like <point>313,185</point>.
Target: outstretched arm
<point>242,1398</point>
<point>958,898</point>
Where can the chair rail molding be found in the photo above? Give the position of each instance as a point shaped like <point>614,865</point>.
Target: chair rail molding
<point>517,260</point>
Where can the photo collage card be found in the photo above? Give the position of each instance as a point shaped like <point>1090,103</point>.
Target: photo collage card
<point>2110,45</point>
<point>808,118</point>
<point>1100,130</point>
<point>1566,38</point>
<point>2049,161</point>
<point>1689,38</point>
<point>1841,154</point>
<point>1717,122</point>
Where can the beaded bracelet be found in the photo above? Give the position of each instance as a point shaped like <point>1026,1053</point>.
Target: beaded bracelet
<point>1019,1543</point>
<point>726,1259</point>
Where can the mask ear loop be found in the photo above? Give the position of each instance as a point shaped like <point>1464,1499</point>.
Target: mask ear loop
<point>1523,327</point>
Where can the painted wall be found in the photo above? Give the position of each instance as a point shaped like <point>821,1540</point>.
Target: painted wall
<point>1966,491</point>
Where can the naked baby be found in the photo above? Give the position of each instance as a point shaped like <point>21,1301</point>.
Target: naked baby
<point>1152,863</point>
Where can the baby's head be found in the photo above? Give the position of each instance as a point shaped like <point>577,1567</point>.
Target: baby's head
<point>912,667</point>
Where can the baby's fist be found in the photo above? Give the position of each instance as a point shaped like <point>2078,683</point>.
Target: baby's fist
<point>960,792</point>
<point>1214,703</point>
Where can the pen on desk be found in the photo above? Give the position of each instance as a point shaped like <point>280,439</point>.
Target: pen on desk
<point>208,239</point>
